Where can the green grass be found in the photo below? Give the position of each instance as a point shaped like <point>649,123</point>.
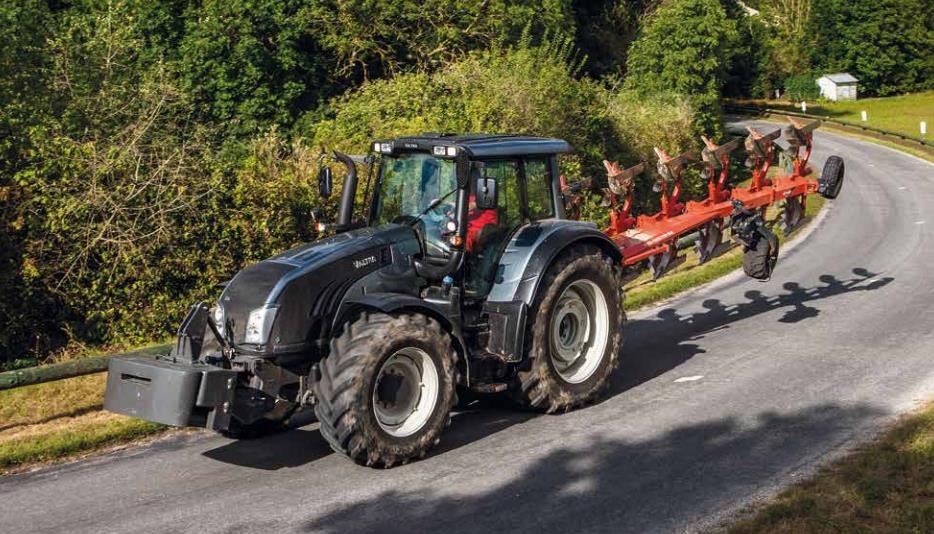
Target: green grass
<point>73,436</point>
<point>901,114</point>
<point>886,486</point>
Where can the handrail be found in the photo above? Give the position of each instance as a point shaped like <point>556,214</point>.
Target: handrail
<point>70,369</point>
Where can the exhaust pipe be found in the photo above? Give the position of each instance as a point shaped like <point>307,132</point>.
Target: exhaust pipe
<point>348,192</point>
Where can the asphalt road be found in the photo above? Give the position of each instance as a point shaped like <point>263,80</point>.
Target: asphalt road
<point>723,396</point>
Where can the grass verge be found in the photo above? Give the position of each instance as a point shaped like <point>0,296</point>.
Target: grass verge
<point>901,114</point>
<point>68,436</point>
<point>885,486</point>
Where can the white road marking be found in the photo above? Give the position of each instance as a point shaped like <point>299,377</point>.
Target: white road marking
<point>689,378</point>
<point>919,222</point>
<point>902,188</point>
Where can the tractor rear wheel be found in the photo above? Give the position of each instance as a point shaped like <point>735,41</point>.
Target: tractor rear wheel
<point>386,388</point>
<point>574,340</point>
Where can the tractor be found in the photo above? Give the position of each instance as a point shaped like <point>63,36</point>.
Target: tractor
<point>464,277</point>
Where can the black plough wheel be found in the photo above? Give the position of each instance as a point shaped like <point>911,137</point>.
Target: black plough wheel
<point>574,333</point>
<point>386,388</point>
<point>831,178</point>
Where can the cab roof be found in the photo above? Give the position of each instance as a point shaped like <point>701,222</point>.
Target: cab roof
<point>480,145</point>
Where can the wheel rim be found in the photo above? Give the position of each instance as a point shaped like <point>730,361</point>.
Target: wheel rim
<point>406,392</point>
<point>578,331</point>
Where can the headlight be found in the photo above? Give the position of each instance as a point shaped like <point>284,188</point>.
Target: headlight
<point>259,325</point>
<point>219,319</point>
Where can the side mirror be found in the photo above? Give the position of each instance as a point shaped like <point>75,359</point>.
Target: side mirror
<point>325,182</point>
<point>486,193</point>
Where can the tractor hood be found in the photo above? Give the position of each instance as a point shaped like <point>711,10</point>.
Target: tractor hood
<point>282,304</point>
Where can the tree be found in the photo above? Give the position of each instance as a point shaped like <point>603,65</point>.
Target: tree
<point>376,38</point>
<point>887,44</point>
<point>606,29</point>
<point>685,47</point>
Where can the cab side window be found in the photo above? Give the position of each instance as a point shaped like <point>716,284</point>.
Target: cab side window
<point>506,174</point>
<point>488,230</point>
<point>540,203</point>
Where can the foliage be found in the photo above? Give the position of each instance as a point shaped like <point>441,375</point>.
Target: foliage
<point>251,63</point>
<point>789,39</point>
<point>887,44</point>
<point>750,67</point>
<point>802,87</point>
<point>375,38</point>
<point>524,90</point>
<point>606,29</point>
<point>686,47</point>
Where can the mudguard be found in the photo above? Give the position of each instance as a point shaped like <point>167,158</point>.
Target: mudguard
<point>524,262</point>
<point>532,249</point>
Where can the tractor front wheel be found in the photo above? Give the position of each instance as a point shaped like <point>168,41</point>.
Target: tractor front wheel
<point>386,388</point>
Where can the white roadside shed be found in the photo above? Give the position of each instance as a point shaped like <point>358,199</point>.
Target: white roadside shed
<point>839,86</point>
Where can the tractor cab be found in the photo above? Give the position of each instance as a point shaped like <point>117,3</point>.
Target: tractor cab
<point>464,195</point>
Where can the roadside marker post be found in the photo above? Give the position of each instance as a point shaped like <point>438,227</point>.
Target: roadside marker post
<point>804,107</point>
<point>924,129</point>
<point>864,115</point>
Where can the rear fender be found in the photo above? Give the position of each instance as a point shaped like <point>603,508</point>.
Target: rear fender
<point>524,262</point>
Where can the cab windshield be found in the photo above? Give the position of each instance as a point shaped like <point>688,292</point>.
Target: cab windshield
<point>408,183</point>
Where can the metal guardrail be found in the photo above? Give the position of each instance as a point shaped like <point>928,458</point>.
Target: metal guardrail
<point>70,369</point>
<point>772,111</point>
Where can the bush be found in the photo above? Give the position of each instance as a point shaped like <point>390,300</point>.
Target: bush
<point>802,87</point>
<point>530,90</point>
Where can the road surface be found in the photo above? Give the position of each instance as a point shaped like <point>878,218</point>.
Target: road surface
<point>723,396</point>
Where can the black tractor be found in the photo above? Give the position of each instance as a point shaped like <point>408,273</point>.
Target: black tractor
<point>462,278</point>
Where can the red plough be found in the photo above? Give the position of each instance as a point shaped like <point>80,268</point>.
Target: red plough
<point>653,238</point>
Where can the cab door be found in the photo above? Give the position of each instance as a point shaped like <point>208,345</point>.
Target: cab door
<point>524,195</point>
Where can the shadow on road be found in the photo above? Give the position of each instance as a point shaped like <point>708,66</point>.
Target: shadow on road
<point>657,345</point>
<point>599,484</point>
<point>653,347</point>
<point>291,448</point>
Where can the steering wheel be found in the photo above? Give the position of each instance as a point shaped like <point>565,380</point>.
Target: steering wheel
<point>442,212</point>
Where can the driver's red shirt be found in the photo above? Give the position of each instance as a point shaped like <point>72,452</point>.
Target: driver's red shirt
<point>477,219</point>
